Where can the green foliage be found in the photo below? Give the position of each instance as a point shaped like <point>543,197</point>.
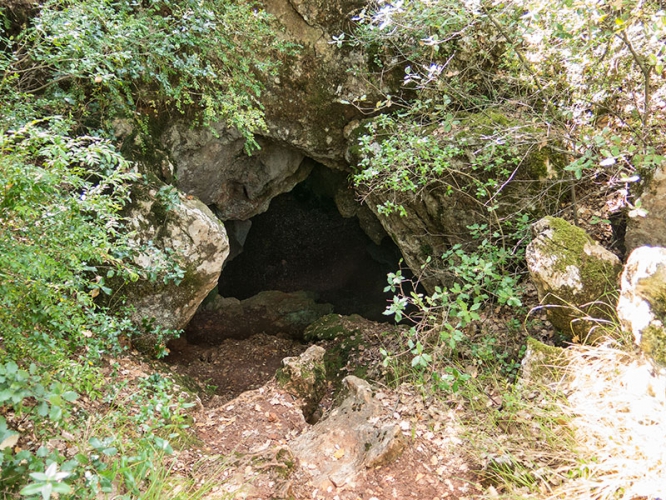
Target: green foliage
<point>60,237</point>
<point>47,482</point>
<point>128,445</point>
<point>65,249</point>
<point>435,48</point>
<point>402,156</point>
<point>96,60</point>
<point>62,240</point>
<point>478,280</point>
<point>567,88</point>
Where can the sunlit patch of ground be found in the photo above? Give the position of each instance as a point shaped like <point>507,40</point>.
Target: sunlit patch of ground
<point>619,404</point>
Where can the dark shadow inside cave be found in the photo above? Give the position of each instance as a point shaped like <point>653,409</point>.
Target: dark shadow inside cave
<point>303,243</point>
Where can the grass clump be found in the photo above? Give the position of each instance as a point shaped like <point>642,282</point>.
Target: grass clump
<point>618,401</point>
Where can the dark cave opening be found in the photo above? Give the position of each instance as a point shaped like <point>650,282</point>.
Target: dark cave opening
<point>302,243</point>
<point>289,266</point>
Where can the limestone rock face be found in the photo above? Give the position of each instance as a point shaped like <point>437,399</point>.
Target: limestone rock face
<point>304,377</point>
<point>219,172</point>
<point>305,105</point>
<point>574,276</point>
<point>304,112</point>
<point>435,223</point>
<point>348,206</point>
<point>642,305</point>
<point>650,229</point>
<point>349,439</point>
<point>186,227</point>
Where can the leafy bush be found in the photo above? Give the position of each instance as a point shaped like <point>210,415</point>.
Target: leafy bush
<point>62,238</point>
<point>97,60</point>
<point>578,81</point>
<point>479,278</point>
<point>65,250</point>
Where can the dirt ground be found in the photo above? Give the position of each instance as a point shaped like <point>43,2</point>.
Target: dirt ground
<point>233,367</point>
<point>246,423</point>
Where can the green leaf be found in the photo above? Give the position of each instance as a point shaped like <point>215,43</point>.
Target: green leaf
<point>70,396</point>
<point>37,488</point>
<point>56,413</point>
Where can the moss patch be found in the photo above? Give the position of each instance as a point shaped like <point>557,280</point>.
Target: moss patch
<point>327,327</point>
<point>598,275</point>
<point>543,363</point>
<point>653,289</point>
<point>653,343</point>
<point>343,335</point>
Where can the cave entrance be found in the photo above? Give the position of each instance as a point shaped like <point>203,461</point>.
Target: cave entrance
<point>302,243</point>
<point>289,266</point>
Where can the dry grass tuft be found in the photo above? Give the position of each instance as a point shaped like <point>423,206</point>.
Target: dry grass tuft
<point>619,404</point>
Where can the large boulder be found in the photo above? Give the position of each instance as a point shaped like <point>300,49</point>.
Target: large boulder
<point>187,232</point>
<point>576,278</point>
<point>641,308</point>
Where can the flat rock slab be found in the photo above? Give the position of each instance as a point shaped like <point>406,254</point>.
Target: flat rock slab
<point>349,440</point>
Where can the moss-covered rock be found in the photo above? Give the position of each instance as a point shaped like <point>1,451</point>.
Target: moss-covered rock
<point>343,335</point>
<point>328,327</point>
<point>542,363</point>
<point>653,343</point>
<point>575,277</point>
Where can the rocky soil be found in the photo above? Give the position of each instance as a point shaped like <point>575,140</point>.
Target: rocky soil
<point>248,427</point>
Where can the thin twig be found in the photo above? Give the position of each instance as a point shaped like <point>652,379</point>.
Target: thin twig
<point>646,70</point>
<point>508,37</point>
